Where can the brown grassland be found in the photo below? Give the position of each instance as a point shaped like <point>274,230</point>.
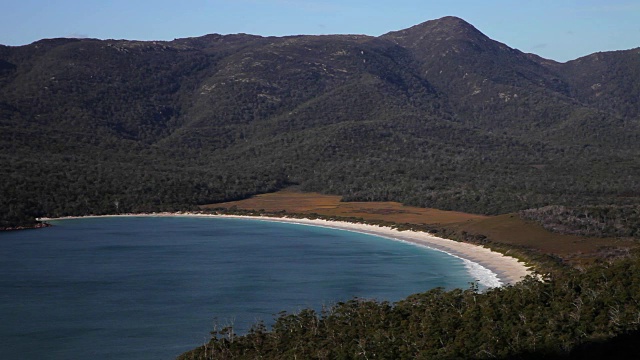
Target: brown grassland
<point>508,229</point>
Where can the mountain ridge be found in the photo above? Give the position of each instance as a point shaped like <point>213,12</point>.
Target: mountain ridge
<point>436,115</point>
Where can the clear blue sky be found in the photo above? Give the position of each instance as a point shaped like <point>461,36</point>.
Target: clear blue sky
<point>557,29</point>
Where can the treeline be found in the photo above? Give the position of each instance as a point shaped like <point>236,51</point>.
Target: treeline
<point>54,186</point>
<point>594,220</point>
<point>558,317</point>
<point>386,159</point>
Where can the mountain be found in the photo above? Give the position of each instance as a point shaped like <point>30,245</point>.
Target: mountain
<point>437,115</point>
<point>606,81</point>
<point>495,87</point>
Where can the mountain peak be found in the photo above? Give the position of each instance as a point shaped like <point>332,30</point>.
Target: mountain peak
<point>449,21</point>
<point>445,28</point>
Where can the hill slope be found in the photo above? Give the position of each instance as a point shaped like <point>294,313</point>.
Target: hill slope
<point>437,115</point>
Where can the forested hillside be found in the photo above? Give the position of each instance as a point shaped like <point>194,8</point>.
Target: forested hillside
<point>437,115</point>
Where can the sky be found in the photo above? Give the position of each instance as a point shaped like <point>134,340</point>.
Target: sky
<point>561,30</point>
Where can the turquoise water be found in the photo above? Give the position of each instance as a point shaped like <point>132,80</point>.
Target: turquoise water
<point>152,288</point>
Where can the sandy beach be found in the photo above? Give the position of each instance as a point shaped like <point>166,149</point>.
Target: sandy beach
<point>494,268</point>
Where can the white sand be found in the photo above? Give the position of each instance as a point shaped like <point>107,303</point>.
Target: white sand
<point>489,267</point>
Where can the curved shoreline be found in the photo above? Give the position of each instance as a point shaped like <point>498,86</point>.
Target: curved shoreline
<point>507,270</point>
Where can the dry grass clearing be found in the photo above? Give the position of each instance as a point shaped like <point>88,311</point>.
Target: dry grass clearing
<point>508,229</point>
<point>512,230</point>
<point>308,203</point>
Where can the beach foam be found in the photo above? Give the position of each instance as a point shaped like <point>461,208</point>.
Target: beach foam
<point>490,268</point>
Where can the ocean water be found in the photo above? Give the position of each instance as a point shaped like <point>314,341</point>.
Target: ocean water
<point>152,288</point>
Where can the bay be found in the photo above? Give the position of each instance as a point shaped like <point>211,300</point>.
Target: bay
<point>153,287</point>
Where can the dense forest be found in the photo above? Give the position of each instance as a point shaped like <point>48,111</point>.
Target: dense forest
<point>437,115</point>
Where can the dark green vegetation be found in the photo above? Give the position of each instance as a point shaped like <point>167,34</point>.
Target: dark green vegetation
<point>566,316</point>
<point>437,115</point>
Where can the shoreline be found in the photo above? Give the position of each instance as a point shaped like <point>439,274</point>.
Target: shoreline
<point>504,270</point>
<point>38,225</point>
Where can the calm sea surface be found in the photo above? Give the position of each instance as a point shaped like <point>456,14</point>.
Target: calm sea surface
<point>152,288</point>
